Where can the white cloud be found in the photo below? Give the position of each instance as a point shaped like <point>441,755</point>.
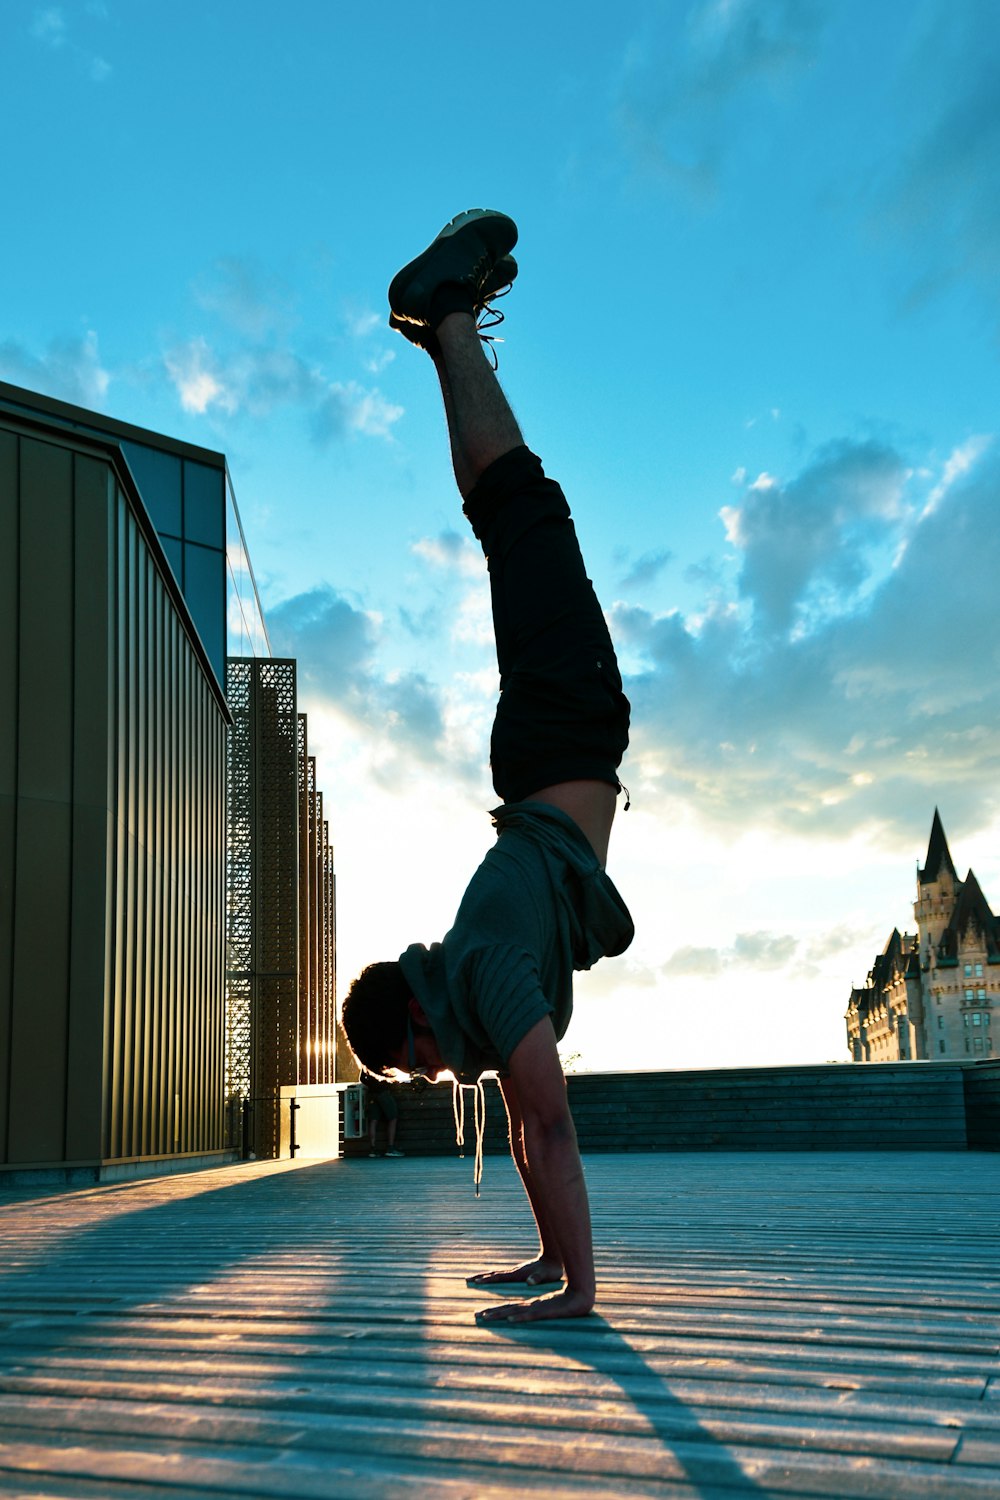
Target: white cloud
<point>409,723</point>
<point>960,461</point>
<point>806,544</point>
<point>50,28</point>
<point>70,369</point>
<point>452,551</point>
<point>473,621</point>
<point>257,354</point>
<point>247,297</point>
<point>762,951</point>
<point>646,569</point>
<point>256,381</point>
<point>691,961</point>
<point>889,701</point>
<point>376,363</point>
<point>361,324</point>
<point>197,379</point>
<point>458,557</point>
<point>366,411</point>
<point>686,84</point>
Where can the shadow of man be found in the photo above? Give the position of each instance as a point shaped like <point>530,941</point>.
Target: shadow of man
<point>654,1435</point>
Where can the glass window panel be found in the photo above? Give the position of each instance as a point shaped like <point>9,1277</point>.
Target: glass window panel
<point>175,555</point>
<point>205,593</point>
<point>158,476</point>
<point>204,504</point>
<point>253,619</point>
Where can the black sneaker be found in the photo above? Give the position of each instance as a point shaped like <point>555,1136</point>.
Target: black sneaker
<point>497,284</point>
<point>464,254</point>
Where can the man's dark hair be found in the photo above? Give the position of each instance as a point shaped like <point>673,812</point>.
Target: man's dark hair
<point>374,1014</point>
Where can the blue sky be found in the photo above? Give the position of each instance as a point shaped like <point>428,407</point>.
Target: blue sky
<point>755,335</point>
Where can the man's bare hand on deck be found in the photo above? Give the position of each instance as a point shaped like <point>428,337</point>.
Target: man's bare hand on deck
<point>542,1271</point>
<point>568,1304</point>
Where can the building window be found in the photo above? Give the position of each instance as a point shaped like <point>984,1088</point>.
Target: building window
<point>941,1024</point>
<point>978,1044</point>
<point>968,993</point>
<point>980,994</point>
<point>979,971</point>
<point>941,1046</point>
<point>977,1019</point>
<point>968,970</point>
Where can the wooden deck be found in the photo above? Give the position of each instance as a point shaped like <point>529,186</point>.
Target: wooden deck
<point>787,1325</point>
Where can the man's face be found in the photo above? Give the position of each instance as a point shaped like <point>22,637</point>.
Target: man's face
<point>418,1054</point>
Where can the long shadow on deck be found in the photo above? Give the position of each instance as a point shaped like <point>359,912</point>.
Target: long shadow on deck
<point>595,1343</point>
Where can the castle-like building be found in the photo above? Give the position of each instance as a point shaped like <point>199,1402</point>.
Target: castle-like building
<point>933,994</point>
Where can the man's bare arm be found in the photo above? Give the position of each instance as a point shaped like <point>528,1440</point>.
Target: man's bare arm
<point>553,1158</point>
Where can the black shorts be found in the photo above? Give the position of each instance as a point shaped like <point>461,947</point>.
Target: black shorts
<point>562,714</point>
<point>383,1101</point>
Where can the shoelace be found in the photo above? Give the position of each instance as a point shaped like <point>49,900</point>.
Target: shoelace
<point>458,1110</point>
<point>491,317</point>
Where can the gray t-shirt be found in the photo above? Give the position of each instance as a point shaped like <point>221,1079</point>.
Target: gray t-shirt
<point>539,907</point>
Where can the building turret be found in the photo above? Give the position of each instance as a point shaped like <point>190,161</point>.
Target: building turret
<point>938,886</point>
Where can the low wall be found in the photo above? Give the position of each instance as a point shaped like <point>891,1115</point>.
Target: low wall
<point>838,1107</point>
<point>982,1105</point>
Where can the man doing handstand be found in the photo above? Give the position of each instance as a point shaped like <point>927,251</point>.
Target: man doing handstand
<point>497,993</point>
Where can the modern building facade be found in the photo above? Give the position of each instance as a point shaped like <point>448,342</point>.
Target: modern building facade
<point>281,949</point>
<point>128,615</point>
<point>934,993</point>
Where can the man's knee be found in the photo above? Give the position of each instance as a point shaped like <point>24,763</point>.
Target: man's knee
<point>511,497</point>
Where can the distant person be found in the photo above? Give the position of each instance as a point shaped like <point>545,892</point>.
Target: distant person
<point>497,993</point>
<point>381,1106</point>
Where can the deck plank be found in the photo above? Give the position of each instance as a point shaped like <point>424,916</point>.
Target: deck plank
<point>787,1325</point>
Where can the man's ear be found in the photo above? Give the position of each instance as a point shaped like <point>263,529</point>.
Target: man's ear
<point>417,1012</point>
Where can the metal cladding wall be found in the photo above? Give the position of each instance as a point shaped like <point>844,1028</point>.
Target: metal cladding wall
<point>112,822</point>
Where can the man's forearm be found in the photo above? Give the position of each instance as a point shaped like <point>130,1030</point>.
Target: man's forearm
<point>538,1089</point>
<point>553,1160</point>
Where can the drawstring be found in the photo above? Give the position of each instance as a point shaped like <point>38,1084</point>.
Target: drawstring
<point>458,1110</point>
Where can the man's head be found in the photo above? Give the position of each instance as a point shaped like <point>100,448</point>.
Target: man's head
<point>386,1026</point>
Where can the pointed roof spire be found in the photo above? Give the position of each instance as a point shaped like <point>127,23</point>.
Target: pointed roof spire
<point>972,906</point>
<point>937,854</point>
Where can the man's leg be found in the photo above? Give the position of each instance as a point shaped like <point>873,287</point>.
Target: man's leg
<point>481,425</point>
<point>547,620</point>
